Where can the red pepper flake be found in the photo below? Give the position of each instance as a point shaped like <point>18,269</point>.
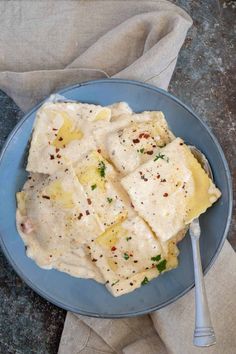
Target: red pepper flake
<point>80,216</point>
<point>113,248</point>
<point>60,139</point>
<point>144,135</point>
<point>135,261</point>
<point>136,141</point>
<point>58,156</point>
<point>45,197</point>
<point>99,151</point>
<point>52,157</point>
<point>165,195</point>
<point>87,212</point>
<point>94,260</point>
<point>149,152</point>
<point>132,205</point>
<point>57,150</point>
<point>158,176</point>
<point>89,201</point>
<point>54,129</point>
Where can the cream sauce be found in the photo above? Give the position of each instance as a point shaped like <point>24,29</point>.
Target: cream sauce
<point>78,215</point>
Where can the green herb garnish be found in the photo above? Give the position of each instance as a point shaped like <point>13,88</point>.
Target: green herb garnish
<point>145,281</point>
<point>159,156</point>
<point>141,150</point>
<point>128,238</point>
<point>126,256</point>
<point>156,258</point>
<point>109,200</point>
<point>115,283</point>
<point>162,265</point>
<point>94,186</point>
<point>102,168</point>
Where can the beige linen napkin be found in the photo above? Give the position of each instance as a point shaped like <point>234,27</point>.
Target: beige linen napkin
<point>45,45</point>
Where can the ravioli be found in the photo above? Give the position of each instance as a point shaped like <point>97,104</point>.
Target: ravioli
<point>63,134</point>
<point>115,126</point>
<point>136,143</point>
<point>129,255</point>
<point>77,263</point>
<point>110,194</point>
<point>170,190</point>
<point>105,194</point>
<point>54,217</point>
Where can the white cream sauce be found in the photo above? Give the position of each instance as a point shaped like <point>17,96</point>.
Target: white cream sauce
<point>78,215</point>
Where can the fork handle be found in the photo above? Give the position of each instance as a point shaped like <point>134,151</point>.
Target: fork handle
<point>204,335</point>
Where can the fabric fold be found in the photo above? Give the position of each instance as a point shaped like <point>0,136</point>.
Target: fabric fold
<point>137,40</point>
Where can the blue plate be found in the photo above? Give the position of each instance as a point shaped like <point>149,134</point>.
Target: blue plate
<point>86,296</point>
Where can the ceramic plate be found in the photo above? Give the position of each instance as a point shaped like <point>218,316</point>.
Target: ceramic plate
<point>86,296</point>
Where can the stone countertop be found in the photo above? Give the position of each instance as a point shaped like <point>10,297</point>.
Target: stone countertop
<point>204,79</point>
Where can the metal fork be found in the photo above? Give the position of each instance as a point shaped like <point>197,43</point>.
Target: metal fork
<point>204,335</point>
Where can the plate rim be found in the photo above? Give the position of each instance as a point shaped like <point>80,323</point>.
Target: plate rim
<point>58,303</point>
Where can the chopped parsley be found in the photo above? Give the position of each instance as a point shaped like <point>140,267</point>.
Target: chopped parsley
<point>162,265</point>
<point>126,256</point>
<point>101,168</point>
<point>94,186</point>
<point>162,157</point>
<point>109,200</point>
<point>156,258</point>
<point>159,156</point>
<point>145,281</point>
<point>115,283</point>
<point>141,150</point>
<point>128,238</point>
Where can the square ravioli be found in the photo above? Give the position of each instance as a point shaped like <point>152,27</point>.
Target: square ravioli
<point>134,144</point>
<point>129,255</point>
<point>104,192</point>
<point>54,216</point>
<point>170,190</point>
<point>63,134</point>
